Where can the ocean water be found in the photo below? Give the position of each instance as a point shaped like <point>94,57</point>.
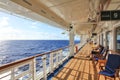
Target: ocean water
<point>12,50</point>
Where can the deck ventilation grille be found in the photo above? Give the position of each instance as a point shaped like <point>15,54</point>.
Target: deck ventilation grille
<point>43,11</point>
<point>26,1</point>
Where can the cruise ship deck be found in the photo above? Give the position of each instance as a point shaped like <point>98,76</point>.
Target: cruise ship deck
<point>96,21</point>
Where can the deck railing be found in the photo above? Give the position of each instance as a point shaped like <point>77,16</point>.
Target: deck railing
<point>36,67</point>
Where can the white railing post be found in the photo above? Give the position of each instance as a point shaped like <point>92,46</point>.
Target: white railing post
<point>57,55</point>
<point>33,66</point>
<point>51,63</point>
<point>44,67</point>
<point>60,57</point>
<point>12,74</point>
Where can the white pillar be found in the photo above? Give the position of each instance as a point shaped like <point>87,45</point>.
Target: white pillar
<point>95,39</point>
<point>104,39</point>
<point>81,38</point>
<point>71,42</point>
<point>99,39</point>
<point>113,39</point>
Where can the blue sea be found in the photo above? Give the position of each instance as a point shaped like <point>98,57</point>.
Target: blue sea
<point>12,50</point>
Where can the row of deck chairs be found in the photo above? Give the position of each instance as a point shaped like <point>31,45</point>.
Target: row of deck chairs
<point>109,64</point>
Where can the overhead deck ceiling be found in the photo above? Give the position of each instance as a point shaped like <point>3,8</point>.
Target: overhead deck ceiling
<point>82,14</point>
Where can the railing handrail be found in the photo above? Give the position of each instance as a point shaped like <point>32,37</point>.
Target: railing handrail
<point>41,54</point>
<point>15,62</point>
<point>29,58</point>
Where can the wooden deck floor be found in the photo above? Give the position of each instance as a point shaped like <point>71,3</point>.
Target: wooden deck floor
<point>79,67</point>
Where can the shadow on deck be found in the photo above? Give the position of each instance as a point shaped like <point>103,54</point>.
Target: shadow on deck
<point>79,67</point>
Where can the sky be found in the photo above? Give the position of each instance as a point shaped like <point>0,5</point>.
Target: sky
<point>17,28</point>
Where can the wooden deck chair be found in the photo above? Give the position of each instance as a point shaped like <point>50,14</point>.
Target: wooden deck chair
<point>112,64</point>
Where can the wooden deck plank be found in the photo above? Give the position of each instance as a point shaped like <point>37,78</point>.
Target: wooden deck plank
<point>79,67</point>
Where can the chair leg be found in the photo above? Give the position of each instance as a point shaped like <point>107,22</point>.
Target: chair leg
<point>96,62</point>
<point>114,78</point>
<point>98,76</point>
<point>105,77</point>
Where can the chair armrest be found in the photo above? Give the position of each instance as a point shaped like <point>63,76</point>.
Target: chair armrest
<point>100,56</point>
<point>102,64</point>
<point>102,61</point>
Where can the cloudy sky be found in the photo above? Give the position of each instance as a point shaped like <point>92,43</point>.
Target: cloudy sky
<point>16,28</point>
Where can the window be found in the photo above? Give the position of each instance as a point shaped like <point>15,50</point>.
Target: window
<point>118,39</point>
<point>108,38</point>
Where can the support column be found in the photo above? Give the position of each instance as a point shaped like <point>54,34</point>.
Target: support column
<point>71,41</point>
<point>113,39</point>
<point>99,39</point>
<point>104,39</point>
<point>81,38</point>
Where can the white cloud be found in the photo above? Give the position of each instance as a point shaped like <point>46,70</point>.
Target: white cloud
<point>33,25</point>
<point>4,22</point>
<point>7,32</point>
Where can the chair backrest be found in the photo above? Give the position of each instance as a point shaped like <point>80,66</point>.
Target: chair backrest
<point>113,62</point>
<point>102,51</point>
<point>105,53</point>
